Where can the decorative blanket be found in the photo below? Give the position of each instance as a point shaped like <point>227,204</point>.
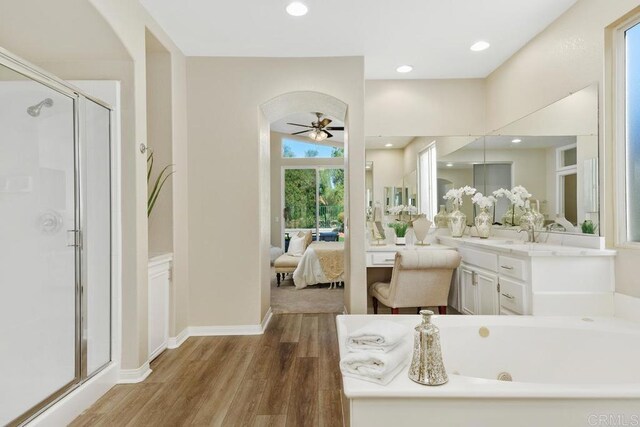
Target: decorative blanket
<point>331,257</point>
<point>322,262</point>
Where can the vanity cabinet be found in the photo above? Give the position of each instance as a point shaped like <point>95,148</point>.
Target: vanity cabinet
<point>491,283</point>
<point>520,279</point>
<point>479,291</point>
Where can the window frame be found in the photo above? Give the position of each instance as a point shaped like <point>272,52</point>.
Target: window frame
<point>432,178</point>
<point>619,85</point>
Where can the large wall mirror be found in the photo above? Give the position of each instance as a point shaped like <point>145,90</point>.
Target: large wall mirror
<point>553,152</point>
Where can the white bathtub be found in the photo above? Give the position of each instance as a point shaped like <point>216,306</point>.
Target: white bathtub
<point>566,371</point>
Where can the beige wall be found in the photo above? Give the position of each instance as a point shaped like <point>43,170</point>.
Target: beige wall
<point>388,171</point>
<point>105,39</point>
<point>425,107</point>
<point>277,164</point>
<point>566,57</point>
<point>224,98</point>
<point>129,21</point>
<point>159,139</point>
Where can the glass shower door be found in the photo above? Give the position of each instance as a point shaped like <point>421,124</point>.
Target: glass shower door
<point>39,334</point>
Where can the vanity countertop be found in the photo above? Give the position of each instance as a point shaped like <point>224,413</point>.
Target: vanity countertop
<point>396,248</point>
<point>518,247</point>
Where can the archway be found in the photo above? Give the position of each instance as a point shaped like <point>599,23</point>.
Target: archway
<point>271,111</point>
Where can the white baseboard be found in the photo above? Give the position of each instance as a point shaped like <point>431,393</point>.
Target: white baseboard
<point>205,331</point>
<point>132,376</point>
<point>62,413</point>
<point>267,318</point>
<point>175,342</point>
<point>627,307</point>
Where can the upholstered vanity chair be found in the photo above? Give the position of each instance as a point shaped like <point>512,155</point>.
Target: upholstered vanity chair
<point>419,279</point>
<point>287,263</point>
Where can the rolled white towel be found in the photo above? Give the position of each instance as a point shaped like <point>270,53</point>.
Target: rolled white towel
<point>376,367</point>
<point>379,335</point>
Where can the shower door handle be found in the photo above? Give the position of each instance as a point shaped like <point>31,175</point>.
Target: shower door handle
<point>76,239</point>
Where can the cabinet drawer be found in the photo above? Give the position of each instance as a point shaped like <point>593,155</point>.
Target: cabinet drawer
<point>383,258</point>
<point>486,260</point>
<point>512,267</point>
<point>512,296</point>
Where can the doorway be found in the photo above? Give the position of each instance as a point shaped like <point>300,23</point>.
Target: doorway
<point>308,199</point>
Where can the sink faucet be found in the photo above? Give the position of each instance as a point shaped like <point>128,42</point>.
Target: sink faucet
<point>531,234</point>
<point>556,227</point>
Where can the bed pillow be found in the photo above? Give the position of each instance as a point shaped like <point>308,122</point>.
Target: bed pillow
<point>296,245</point>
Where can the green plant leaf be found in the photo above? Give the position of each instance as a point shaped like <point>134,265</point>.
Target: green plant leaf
<point>149,164</point>
<point>157,187</point>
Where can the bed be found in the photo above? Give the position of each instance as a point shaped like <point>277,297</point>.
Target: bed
<point>322,262</point>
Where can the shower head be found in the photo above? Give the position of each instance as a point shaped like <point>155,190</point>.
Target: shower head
<point>34,110</point>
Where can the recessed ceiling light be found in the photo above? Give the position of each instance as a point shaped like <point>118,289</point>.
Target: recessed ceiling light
<point>516,141</point>
<point>449,165</point>
<point>404,69</point>
<point>388,145</point>
<point>297,8</point>
<point>480,45</point>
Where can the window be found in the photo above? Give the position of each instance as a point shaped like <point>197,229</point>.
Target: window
<point>427,169</point>
<point>292,148</point>
<point>567,182</point>
<point>314,200</point>
<point>628,129</point>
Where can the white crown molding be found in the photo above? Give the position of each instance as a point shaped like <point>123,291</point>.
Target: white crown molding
<point>132,376</point>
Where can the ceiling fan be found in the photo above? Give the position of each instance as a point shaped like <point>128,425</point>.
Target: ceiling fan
<point>319,130</point>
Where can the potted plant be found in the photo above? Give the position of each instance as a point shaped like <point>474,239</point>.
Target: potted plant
<point>400,228</point>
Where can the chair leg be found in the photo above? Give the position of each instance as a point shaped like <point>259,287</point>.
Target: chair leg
<point>442,309</point>
<point>278,279</point>
<point>395,311</point>
<point>375,305</point>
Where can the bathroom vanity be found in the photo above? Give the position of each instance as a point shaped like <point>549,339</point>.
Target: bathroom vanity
<point>507,276</point>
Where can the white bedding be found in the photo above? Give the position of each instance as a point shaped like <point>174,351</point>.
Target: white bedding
<point>309,271</point>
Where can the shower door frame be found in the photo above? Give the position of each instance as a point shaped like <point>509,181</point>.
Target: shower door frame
<point>34,73</point>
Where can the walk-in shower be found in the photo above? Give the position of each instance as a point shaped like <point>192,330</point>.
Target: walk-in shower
<point>34,110</point>
<point>55,239</point>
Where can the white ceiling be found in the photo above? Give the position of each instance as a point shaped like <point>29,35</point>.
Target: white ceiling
<point>432,35</point>
<point>504,142</point>
<point>377,142</point>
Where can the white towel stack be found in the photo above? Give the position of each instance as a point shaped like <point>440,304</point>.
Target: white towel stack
<point>377,352</point>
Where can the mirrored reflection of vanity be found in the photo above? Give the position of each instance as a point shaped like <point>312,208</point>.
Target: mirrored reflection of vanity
<point>552,152</point>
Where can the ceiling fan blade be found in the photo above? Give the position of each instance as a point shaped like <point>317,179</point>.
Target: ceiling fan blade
<point>329,135</point>
<point>324,122</point>
<point>335,128</point>
<point>298,133</point>
<point>297,124</point>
